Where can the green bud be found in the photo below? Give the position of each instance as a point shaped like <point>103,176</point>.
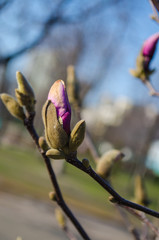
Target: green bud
<point>105,163</point>
<point>77,135</point>
<point>85,162</point>
<point>60,218</point>
<point>43,143</point>
<point>112,199</point>
<point>18,238</point>
<point>23,85</point>
<point>56,136</point>
<point>55,154</point>
<point>24,93</point>
<point>140,191</point>
<point>13,106</point>
<point>52,196</point>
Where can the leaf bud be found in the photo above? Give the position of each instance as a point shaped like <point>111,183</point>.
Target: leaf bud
<point>13,106</point>
<point>52,196</point>
<point>43,144</point>
<point>112,199</point>
<point>77,135</point>
<point>60,217</point>
<point>18,238</point>
<point>85,162</point>
<point>140,191</point>
<point>24,93</point>
<point>105,163</point>
<point>55,154</point>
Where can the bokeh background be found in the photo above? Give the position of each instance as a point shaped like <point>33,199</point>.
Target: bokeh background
<point>101,39</point>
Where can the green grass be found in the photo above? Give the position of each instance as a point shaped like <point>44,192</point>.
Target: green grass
<point>23,172</point>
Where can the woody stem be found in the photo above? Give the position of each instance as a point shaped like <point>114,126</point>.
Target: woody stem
<point>28,122</point>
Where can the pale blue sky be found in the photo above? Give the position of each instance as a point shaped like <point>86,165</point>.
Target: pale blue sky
<point>115,80</point>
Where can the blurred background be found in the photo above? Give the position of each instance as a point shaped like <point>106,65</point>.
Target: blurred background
<point>101,39</point>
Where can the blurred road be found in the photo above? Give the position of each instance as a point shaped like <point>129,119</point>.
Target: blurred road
<point>34,220</point>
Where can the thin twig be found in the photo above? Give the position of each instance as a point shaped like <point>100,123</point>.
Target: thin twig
<point>120,200</point>
<point>59,198</point>
<point>143,218</point>
<point>96,157</point>
<point>128,224</point>
<point>152,91</point>
<point>156,17</point>
<point>69,233</point>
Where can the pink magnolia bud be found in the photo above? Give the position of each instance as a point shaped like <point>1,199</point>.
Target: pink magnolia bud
<point>148,48</point>
<point>58,96</point>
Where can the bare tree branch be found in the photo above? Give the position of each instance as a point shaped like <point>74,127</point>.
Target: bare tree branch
<point>4,4</point>
<point>116,197</point>
<point>59,198</point>
<point>56,18</point>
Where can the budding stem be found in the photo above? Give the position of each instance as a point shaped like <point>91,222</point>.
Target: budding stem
<point>28,122</point>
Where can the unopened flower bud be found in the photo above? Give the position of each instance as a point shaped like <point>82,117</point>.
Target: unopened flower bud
<point>55,154</point>
<point>13,106</point>
<point>144,58</point>
<point>52,196</point>
<point>24,93</point>
<point>56,136</point>
<point>85,162</point>
<point>18,238</point>
<point>105,163</point>
<point>58,97</point>
<point>112,199</point>
<point>148,49</point>
<point>77,135</point>
<point>60,218</point>
<point>140,191</point>
<point>43,143</point>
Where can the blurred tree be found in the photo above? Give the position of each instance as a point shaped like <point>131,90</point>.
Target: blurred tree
<point>75,33</point>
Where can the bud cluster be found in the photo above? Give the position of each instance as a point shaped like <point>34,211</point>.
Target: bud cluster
<point>56,114</point>
<point>24,98</point>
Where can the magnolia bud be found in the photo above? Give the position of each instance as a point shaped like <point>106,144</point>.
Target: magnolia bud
<point>144,58</point>
<point>140,191</point>
<point>112,199</point>
<point>52,196</point>
<point>105,163</point>
<point>56,136</point>
<point>13,106</point>
<point>149,48</point>
<point>24,93</point>
<point>60,218</point>
<point>85,162</point>
<point>77,135</point>
<point>18,238</point>
<point>55,154</point>
<point>43,143</point>
<point>58,97</point>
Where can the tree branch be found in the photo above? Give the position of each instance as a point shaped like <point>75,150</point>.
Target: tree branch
<point>28,122</point>
<point>142,217</point>
<point>53,19</point>
<point>117,198</point>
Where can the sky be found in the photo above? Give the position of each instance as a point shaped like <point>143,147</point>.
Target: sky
<point>119,82</point>
<point>115,81</point>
